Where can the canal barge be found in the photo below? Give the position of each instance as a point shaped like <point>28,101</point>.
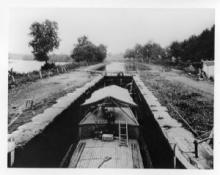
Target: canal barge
<point>109,132</point>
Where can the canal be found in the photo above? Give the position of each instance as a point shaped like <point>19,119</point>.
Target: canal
<point>48,148</point>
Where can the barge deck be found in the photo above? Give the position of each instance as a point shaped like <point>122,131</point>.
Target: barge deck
<point>91,153</point>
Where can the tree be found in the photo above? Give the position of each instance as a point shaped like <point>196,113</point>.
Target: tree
<point>129,53</point>
<point>138,49</point>
<point>101,52</point>
<point>85,50</point>
<point>147,52</point>
<point>45,39</point>
<point>176,49</point>
<point>195,48</point>
<point>157,52</point>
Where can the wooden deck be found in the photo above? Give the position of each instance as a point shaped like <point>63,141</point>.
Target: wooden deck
<point>91,153</point>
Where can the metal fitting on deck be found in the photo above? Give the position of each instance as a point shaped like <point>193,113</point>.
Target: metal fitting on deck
<point>196,148</point>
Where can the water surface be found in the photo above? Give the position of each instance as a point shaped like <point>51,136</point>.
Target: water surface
<point>115,67</point>
<point>24,66</point>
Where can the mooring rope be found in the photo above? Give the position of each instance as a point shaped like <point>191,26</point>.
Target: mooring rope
<point>184,120</point>
<point>191,128</point>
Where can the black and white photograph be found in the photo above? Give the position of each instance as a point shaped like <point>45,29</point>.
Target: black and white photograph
<point>111,88</point>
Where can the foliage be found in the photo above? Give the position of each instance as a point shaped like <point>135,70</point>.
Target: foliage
<point>48,66</point>
<point>195,48</point>
<point>85,50</point>
<point>147,52</point>
<point>129,53</point>
<point>191,50</point>
<point>45,39</point>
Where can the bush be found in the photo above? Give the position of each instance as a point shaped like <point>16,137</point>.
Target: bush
<point>48,66</point>
<point>86,51</point>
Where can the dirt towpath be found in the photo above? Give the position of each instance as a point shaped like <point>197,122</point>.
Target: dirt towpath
<point>44,93</point>
<point>204,87</point>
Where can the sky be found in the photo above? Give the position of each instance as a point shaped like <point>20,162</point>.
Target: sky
<point>117,28</point>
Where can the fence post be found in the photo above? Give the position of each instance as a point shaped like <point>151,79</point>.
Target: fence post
<point>40,74</point>
<point>13,78</point>
<point>28,75</point>
<point>29,104</point>
<point>63,68</point>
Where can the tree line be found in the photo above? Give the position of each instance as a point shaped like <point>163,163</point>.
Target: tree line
<point>193,49</point>
<point>45,39</point>
<point>148,52</point>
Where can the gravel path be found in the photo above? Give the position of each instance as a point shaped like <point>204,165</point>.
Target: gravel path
<point>204,87</point>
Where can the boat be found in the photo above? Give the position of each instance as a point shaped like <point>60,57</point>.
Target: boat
<point>109,131</point>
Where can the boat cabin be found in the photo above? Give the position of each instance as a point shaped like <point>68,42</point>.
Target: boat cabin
<point>110,115</point>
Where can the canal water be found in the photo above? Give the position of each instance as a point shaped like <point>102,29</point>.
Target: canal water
<point>115,67</point>
<point>25,66</point>
<point>121,67</point>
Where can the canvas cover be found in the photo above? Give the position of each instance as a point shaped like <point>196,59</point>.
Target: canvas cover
<point>112,93</point>
<point>121,115</point>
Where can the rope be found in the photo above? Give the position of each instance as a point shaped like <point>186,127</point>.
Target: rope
<point>124,111</point>
<point>207,132</point>
<point>194,131</point>
<point>105,160</point>
<point>190,127</point>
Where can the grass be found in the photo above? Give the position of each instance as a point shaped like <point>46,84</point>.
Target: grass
<point>192,106</point>
<point>37,108</point>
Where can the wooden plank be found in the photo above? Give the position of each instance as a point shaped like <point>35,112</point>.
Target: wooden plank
<point>78,152</point>
<point>135,156</point>
<point>64,160</point>
<point>96,150</point>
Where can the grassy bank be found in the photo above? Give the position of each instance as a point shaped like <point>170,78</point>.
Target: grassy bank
<point>43,93</point>
<point>181,100</point>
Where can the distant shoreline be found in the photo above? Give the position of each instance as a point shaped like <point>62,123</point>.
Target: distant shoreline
<point>55,61</point>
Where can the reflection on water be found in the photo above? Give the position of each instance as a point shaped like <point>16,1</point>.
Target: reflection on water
<point>24,66</point>
<point>121,67</point>
<point>115,67</point>
<point>130,66</point>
